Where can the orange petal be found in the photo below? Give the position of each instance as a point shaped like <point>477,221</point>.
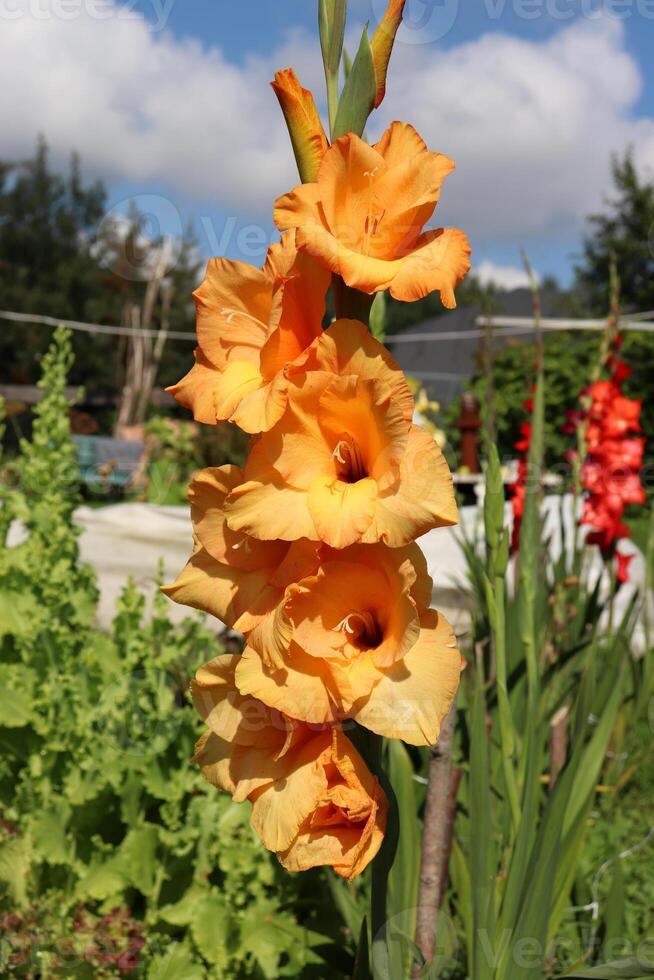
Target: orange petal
<point>298,208</point>
<point>222,591</point>
<point>422,499</point>
<point>410,188</point>
<point>227,713</point>
<point>213,755</point>
<point>348,347</point>
<point>196,390</point>
<point>270,511</point>
<point>207,494</point>
<point>279,812</point>
<point>347,832</point>
<point>365,411</point>
<point>300,690</point>
<point>304,124</point>
<point>414,695</point>
<point>341,512</point>
<point>296,449</point>
<point>233,304</point>
<point>439,262</point>
<point>236,380</point>
<point>345,183</point>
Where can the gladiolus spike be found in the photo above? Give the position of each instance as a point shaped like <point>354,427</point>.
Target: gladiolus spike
<point>382,45</point>
<point>304,125</point>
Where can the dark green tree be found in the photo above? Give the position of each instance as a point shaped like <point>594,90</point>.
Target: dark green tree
<point>625,230</point>
<point>58,257</point>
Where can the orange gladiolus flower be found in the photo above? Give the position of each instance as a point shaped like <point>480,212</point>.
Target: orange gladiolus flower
<point>230,575</point>
<point>314,802</point>
<point>382,45</point>
<point>304,125</point>
<point>363,217</point>
<point>356,640</point>
<point>251,323</point>
<point>344,464</point>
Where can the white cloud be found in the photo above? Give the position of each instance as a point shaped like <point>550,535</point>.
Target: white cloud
<point>531,124</point>
<point>141,106</point>
<point>502,276</point>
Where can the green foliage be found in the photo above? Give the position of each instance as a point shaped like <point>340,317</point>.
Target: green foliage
<point>358,95</point>
<point>179,448</point>
<point>522,852</point>
<point>59,257</point>
<point>115,856</point>
<point>623,231</point>
<point>570,357</point>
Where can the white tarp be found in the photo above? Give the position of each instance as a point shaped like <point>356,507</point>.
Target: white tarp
<point>124,539</point>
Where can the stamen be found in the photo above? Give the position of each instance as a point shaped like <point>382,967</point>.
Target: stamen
<point>344,625</point>
<point>347,453</point>
<point>363,628</point>
<point>230,314</point>
<point>338,452</point>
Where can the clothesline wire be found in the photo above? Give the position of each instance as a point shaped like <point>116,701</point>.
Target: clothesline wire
<point>502,326</point>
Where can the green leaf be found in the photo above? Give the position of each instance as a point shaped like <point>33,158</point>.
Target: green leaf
<point>362,961</point>
<point>358,95</point>
<point>630,969</point>
<point>614,913</point>
<point>17,610</point>
<point>16,695</point>
<point>345,901</point>
<point>403,877</point>
<point>377,318</point>
<point>175,964</point>
<point>52,842</point>
<point>181,913</point>
<point>137,857</point>
<point>15,859</point>
<point>102,880</point>
<point>211,928</point>
<point>481,851</point>
<point>331,22</point>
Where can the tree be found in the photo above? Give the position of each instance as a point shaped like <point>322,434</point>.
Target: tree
<point>60,258</point>
<point>625,229</point>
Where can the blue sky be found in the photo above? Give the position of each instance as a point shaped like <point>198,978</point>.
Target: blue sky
<point>168,101</point>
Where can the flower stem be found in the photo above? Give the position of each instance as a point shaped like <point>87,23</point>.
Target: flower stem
<point>371,748</point>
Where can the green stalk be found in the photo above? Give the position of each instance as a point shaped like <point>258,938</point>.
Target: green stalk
<point>497,540</point>
<point>331,22</point>
<point>646,687</point>
<point>504,706</point>
<point>371,748</point>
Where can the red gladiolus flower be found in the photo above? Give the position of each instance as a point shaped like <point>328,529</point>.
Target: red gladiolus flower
<point>518,489</point>
<point>611,470</point>
<point>622,567</point>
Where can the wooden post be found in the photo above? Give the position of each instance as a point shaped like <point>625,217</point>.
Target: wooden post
<point>436,838</point>
<point>469,424</point>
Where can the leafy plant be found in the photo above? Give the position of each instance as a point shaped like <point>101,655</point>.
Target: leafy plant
<point>115,856</point>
